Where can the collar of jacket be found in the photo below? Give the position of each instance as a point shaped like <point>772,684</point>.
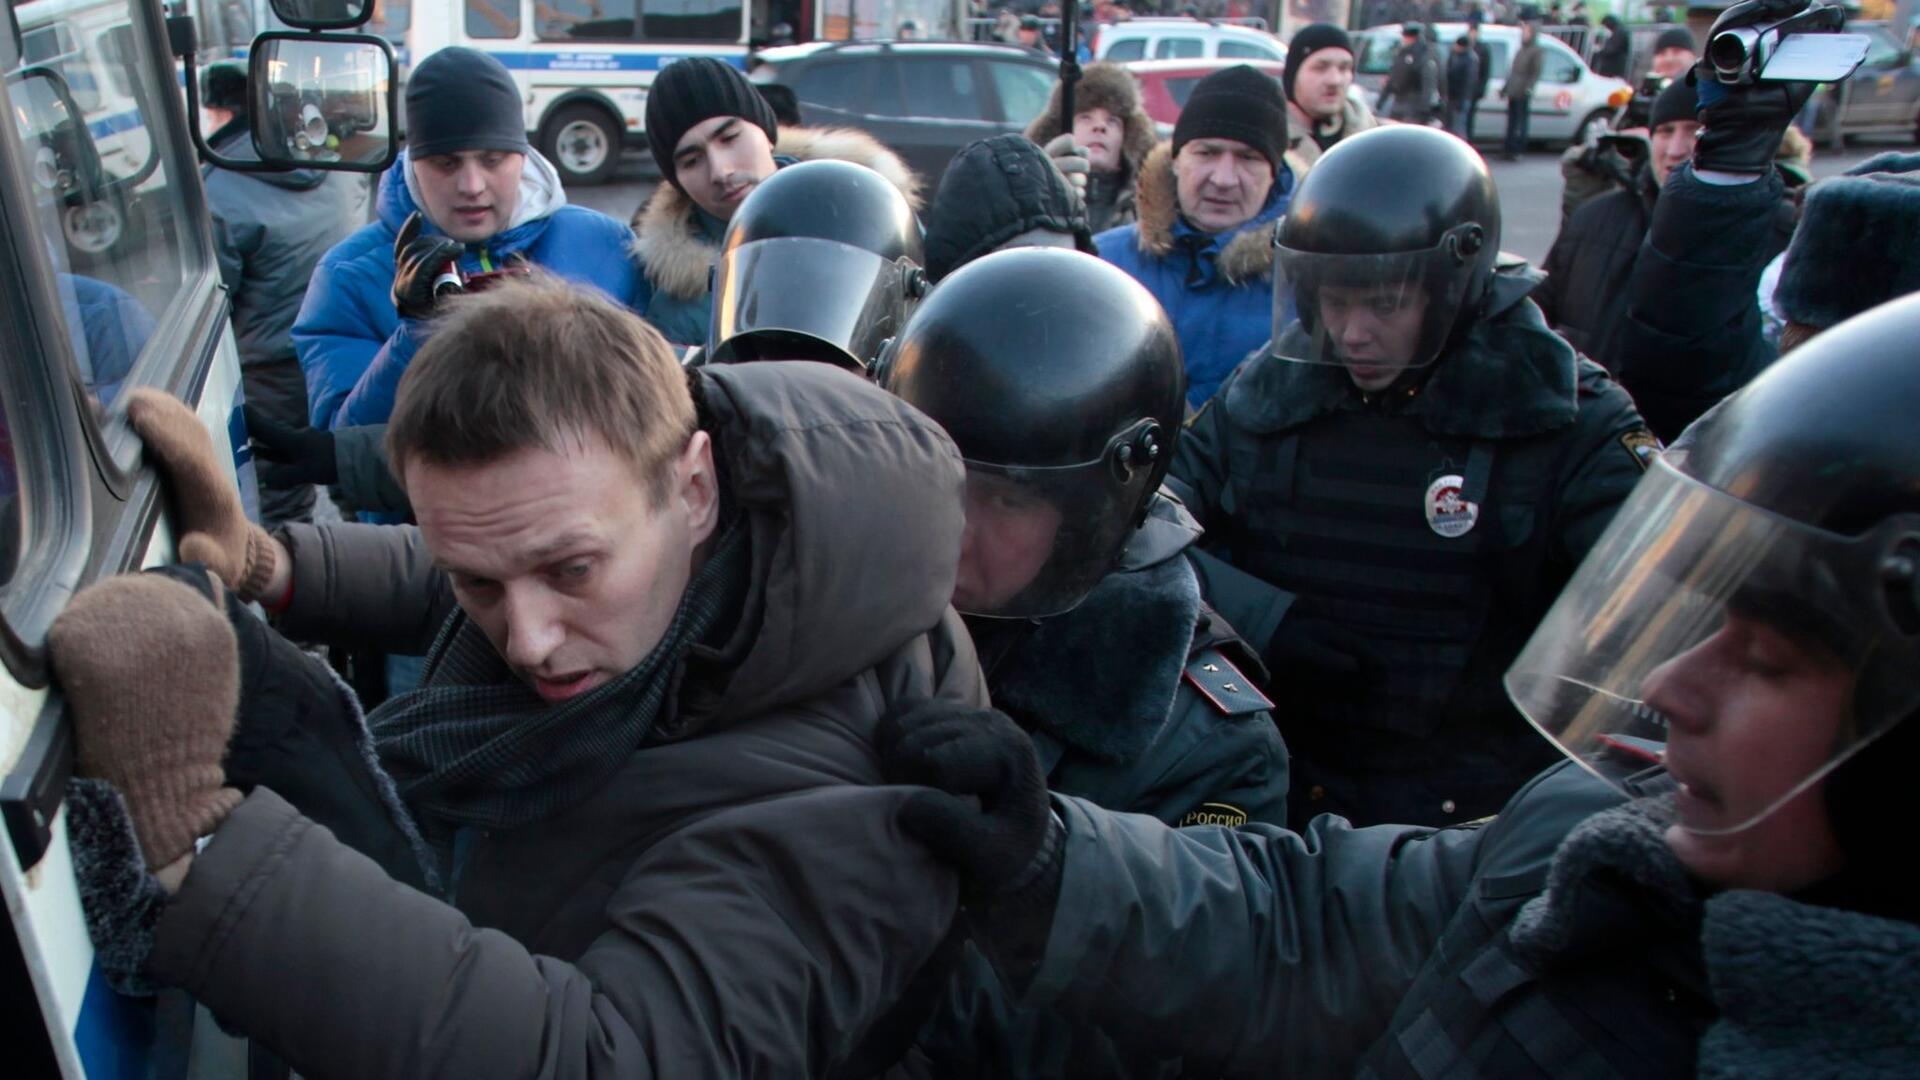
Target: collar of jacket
<point>1806,990</point>
<point>1061,676</point>
<point>1512,377</point>
<point>1613,879</point>
<point>1354,119</point>
<point>675,252</point>
<point>234,139</point>
<point>541,196</point>
<point>842,575</point>
<point>1240,254</point>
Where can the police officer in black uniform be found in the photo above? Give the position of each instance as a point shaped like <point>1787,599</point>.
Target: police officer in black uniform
<point>1059,377</point>
<point>1739,653</point>
<point>821,262</point>
<point>1423,461</point>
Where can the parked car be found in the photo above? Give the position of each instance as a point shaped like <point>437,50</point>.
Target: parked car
<point>1184,39</point>
<point>1569,102</point>
<point>1166,84</point>
<point>1883,97</point>
<point>926,100</point>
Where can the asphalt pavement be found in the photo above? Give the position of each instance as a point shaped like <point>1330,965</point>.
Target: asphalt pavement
<point>1529,191</point>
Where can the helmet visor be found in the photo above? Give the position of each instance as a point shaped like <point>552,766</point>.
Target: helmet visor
<point>1760,651</point>
<point>1039,540</point>
<point>804,298</point>
<point>1375,315</point>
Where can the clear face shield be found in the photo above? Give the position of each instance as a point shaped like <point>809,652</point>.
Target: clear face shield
<point>1039,539</point>
<point>805,298</point>
<point>1380,315</point>
<point>1713,627</point>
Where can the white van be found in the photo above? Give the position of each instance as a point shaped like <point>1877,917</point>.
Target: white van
<point>1184,39</point>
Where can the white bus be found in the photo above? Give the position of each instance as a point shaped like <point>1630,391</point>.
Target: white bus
<point>584,65</point>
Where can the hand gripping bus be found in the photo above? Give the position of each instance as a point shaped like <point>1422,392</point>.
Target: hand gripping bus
<point>108,282</point>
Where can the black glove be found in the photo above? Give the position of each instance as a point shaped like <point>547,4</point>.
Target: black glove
<point>291,456</point>
<point>1311,651</point>
<point>1742,124</point>
<point>417,262</point>
<point>1000,843</point>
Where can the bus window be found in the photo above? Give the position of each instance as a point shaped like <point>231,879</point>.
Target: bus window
<point>493,18</point>
<point>114,227</point>
<point>636,20</point>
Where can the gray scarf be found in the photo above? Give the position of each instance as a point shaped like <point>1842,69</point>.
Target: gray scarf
<point>475,746</point>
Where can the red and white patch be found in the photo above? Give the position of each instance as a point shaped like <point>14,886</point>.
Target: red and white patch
<point>1448,513</point>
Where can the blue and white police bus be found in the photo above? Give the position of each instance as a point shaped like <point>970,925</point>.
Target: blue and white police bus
<point>107,282</point>
<point>584,65</point>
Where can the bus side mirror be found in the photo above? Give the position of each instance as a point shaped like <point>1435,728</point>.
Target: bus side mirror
<point>324,14</point>
<point>323,101</point>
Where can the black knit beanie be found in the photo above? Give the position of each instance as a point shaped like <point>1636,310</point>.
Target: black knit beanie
<point>695,89</point>
<point>1677,102</point>
<point>223,85</point>
<point>462,99</point>
<point>996,189</point>
<point>1240,103</point>
<point>1310,40</point>
<point>1675,37</point>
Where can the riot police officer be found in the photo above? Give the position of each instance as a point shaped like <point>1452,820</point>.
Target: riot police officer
<point>1423,462</point>
<point>1089,622</point>
<point>1740,653</point>
<point>821,262</point>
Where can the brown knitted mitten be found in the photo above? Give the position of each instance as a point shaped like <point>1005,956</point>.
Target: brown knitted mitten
<point>152,678</point>
<point>213,528</point>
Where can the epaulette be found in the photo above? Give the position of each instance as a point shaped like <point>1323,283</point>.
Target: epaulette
<point>1224,685</point>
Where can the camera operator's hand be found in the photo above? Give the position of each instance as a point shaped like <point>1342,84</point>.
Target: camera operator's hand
<point>291,456</point>
<point>417,261</point>
<point>1742,124</point>
<point>1071,159</point>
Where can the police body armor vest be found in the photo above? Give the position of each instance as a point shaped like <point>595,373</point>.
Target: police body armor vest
<point>1427,547</point>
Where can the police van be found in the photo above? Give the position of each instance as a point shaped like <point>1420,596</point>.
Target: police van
<point>583,66</point>
<point>98,131</point>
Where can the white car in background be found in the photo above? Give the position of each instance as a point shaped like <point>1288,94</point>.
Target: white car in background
<point>1569,101</point>
<point>1184,39</point>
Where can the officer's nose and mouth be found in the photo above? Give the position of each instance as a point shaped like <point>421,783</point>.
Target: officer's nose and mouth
<point>1008,537</point>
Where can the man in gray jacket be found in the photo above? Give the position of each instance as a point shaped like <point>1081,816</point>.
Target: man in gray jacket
<point>270,230</point>
<point>639,761</point>
<point>1522,74</point>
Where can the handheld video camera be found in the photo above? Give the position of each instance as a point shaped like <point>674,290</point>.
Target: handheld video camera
<point>1803,45</point>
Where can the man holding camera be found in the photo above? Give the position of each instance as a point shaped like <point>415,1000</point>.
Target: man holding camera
<point>468,191</point>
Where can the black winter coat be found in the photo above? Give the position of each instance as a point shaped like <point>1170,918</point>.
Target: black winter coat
<point>1585,295</point>
<point>1692,332</point>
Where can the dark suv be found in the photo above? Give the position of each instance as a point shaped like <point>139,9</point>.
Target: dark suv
<point>926,100</point>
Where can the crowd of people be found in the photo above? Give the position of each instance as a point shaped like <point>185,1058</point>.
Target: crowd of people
<point>1188,607</point>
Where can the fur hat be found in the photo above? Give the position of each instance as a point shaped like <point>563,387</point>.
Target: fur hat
<point>1110,87</point>
<point>1828,276</point>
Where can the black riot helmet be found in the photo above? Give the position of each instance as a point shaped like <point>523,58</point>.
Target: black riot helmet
<point>1059,378</point>
<point>820,262</point>
<point>1793,506</point>
<point>1397,224</point>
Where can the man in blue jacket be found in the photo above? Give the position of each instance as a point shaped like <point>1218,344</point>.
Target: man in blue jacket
<point>1203,243</point>
<point>485,200</point>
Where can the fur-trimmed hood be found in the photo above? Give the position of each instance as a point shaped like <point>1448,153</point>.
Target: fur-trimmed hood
<point>1244,257</point>
<point>671,244</point>
<point>1110,87</point>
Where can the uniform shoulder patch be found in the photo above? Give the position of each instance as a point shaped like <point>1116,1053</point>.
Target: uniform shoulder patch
<point>1223,685</point>
<point>1194,415</point>
<point>1214,813</point>
<point>1643,445</point>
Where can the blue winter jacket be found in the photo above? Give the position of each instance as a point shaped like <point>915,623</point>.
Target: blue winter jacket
<point>1217,289</point>
<point>354,346</point>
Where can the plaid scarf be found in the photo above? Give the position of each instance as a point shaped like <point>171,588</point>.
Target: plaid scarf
<point>476,746</point>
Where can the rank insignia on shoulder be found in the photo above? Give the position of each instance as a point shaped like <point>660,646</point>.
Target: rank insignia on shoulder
<point>1644,447</point>
<point>1223,685</point>
<point>1214,813</point>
